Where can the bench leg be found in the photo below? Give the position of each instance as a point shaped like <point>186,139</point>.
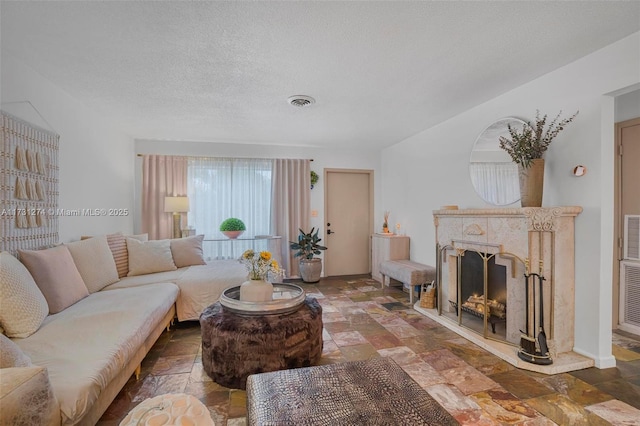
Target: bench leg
<point>383,282</point>
<point>410,294</point>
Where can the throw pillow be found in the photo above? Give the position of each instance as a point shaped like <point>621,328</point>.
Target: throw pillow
<point>149,257</point>
<point>118,246</point>
<point>139,237</point>
<point>11,355</point>
<point>95,262</point>
<point>187,251</point>
<point>23,305</point>
<point>56,275</point>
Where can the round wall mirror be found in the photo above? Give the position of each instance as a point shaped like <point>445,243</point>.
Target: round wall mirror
<point>493,175</point>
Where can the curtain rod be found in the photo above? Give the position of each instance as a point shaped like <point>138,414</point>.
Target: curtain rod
<point>196,156</point>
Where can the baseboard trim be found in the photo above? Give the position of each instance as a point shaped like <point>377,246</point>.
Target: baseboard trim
<point>600,362</point>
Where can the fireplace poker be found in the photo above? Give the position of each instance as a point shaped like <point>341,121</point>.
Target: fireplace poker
<point>527,341</point>
<point>528,350</point>
<point>542,336</point>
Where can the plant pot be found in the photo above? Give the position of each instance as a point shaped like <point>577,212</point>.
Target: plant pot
<point>232,234</point>
<point>310,270</point>
<point>531,183</point>
<point>256,291</point>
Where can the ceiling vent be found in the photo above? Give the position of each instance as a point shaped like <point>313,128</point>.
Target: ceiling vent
<point>301,100</point>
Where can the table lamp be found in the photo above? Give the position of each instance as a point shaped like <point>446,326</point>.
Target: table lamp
<point>176,205</point>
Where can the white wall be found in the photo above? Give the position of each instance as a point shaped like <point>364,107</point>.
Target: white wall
<point>322,158</point>
<point>96,160</point>
<point>430,169</point>
<point>627,106</point>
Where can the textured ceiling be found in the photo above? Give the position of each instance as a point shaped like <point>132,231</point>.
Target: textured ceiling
<point>222,71</point>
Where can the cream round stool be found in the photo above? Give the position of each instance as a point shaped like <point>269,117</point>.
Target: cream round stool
<point>176,409</point>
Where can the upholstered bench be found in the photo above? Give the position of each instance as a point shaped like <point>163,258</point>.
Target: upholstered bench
<point>411,274</point>
<point>357,393</point>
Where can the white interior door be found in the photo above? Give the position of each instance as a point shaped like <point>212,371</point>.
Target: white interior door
<point>349,217</point>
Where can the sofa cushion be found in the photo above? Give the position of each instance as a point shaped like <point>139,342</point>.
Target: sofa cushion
<point>149,257</point>
<point>24,307</point>
<point>86,346</point>
<point>56,275</point>
<point>187,251</point>
<point>146,279</point>
<point>11,355</point>
<point>95,262</point>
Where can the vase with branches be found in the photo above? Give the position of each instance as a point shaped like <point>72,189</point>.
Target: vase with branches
<point>526,147</point>
<point>385,224</point>
<point>531,142</point>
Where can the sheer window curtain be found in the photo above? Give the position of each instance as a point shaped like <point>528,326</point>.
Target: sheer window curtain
<point>497,183</point>
<point>162,176</point>
<point>220,188</point>
<point>290,206</point>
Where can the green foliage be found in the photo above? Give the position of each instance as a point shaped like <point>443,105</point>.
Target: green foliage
<point>307,245</point>
<point>314,178</point>
<point>232,224</point>
<point>531,143</point>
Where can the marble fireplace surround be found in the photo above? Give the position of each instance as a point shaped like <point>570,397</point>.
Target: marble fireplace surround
<point>542,235</point>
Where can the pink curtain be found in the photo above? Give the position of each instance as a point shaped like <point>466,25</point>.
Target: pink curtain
<point>162,176</point>
<point>290,206</point>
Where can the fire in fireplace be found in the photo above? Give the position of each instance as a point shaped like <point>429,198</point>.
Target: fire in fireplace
<point>472,289</point>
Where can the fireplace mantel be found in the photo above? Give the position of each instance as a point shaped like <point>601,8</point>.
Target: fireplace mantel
<point>545,237</point>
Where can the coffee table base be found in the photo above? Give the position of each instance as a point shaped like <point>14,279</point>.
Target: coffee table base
<point>235,346</point>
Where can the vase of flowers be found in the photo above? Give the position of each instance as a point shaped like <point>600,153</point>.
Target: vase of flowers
<point>259,265</point>
<point>385,224</point>
<point>526,148</point>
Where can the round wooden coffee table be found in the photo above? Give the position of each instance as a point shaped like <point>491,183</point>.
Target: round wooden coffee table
<point>235,346</point>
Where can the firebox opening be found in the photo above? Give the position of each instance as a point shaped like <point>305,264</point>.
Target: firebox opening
<point>473,297</point>
<point>472,278</point>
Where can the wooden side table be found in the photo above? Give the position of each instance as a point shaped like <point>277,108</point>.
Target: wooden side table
<point>387,247</point>
<point>236,345</point>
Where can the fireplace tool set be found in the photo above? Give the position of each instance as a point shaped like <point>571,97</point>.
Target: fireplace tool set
<point>534,349</point>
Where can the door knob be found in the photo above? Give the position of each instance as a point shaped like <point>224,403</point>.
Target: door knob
<point>330,232</point>
<point>328,224</point>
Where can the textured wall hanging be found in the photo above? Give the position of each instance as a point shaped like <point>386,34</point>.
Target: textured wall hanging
<point>28,186</point>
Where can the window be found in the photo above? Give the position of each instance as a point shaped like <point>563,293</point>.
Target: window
<point>219,188</point>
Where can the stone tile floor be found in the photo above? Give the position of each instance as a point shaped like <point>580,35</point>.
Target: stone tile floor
<point>361,321</point>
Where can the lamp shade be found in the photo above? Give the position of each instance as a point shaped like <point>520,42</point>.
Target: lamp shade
<point>176,204</point>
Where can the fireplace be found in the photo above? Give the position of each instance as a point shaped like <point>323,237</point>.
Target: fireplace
<point>473,302</point>
<point>494,309</point>
<point>487,254</point>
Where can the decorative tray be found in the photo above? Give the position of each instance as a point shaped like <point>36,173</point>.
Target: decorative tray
<point>286,298</point>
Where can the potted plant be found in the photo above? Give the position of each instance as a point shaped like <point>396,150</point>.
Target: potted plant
<point>232,227</point>
<point>526,148</point>
<point>314,178</point>
<point>307,247</point>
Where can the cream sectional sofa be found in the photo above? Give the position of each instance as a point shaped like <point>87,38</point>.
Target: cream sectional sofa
<point>82,345</point>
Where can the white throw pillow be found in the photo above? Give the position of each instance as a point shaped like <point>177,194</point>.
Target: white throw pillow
<point>187,251</point>
<point>149,257</point>
<point>56,275</point>
<point>24,307</point>
<point>95,262</point>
